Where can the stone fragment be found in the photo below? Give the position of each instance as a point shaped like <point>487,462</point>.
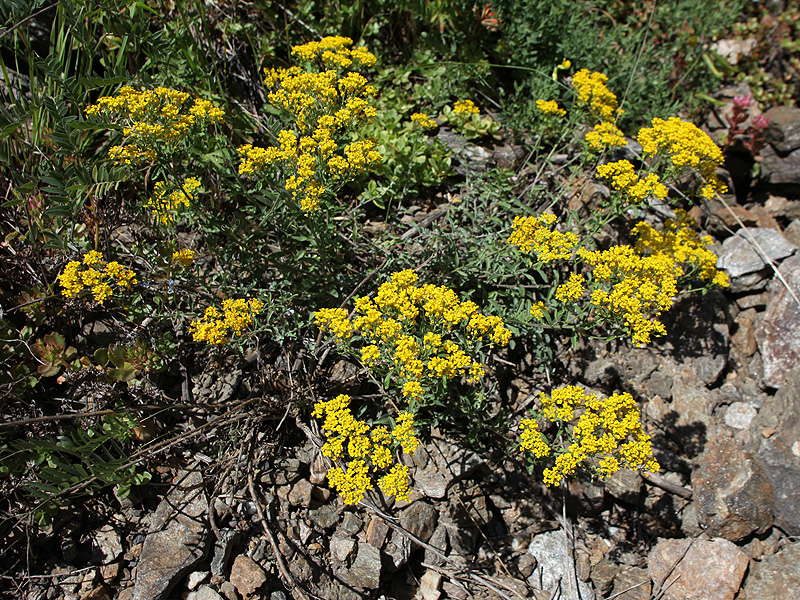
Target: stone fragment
<point>445,464</point>
<point>739,256</point>
<point>196,578</point>
<point>366,570</point>
<point>325,517</point>
<point>419,519</point>
<point>439,542</point>
<point>228,590</point>
<point>732,493</point>
<point>377,531</point>
<point>780,171</point>
<point>204,592</point>
<point>107,546</point>
<point>703,569</point>
<point>625,485</point>
<point>632,584</point>
<point>222,550</point>
<point>777,576</point>
<point>603,575</point>
<point>342,548</point>
<point>792,232</point>
<point>551,569</point>
<point>177,540</point>
<point>300,494</point>
<point>778,334</point>
<point>429,585</point>
<point>351,524</point>
<point>398,550</point>
<point>744,339</point>
<point>783,132</point>
<point>247,576</point>
<point>778,425</point>
<point>739,415</point>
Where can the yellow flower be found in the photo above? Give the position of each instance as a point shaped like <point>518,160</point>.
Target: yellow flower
<point>216,327</point>
<point>572,289</point>
<point>605,135</point>
<point>98,277</point>
<point>423,121</point>
<point>535,234</point>
<point>465,108</point>
<point>591,90</point>
<point>550,108</point>
<point>609,430</point>
<point>184,258</point>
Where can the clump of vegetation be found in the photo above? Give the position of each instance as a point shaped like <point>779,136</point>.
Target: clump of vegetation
<point>200,214</point>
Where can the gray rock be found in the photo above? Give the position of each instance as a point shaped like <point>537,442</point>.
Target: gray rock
<point>739,415</point>
<point>325,517</point>
<point>739,256</point>
<point>342,548</point>
<point>177,540</point>
<point>603,575</point>
<point>222,551</point>
<point>439,542</point>
<point>783,132</point>
<point>204,592</point>
<point>446,463</point>
<point>377,531</point>
<point>778,333</point>
<point>777,576</point>
<point>703,569</point>
<point>419,519</point>
<point>366,570</point>
<point>632,583</point>
<point>779,170</point>
<point>196,578</point>
<point>247,576</point>
<point>732,493</point>
<point>792,232</point>
<point>398,550</point>
<point>351,523</point>
<point>107,545</point>
<point>776,446</point>
<point>625,485</point>
<point>549,550</point>
<point>300,494</point>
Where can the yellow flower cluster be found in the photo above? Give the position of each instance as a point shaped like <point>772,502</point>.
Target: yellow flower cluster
<point>591,89</point>
<point>322,107</point>
<point>605,135</point>
<point>94,274</point>
<point>334,51</point>
<point>423,121</point>
<point>216,325</point>
<point>572,290</point>
<point>184,258</point>
<point>680,241</point>
<point>366,450</point>
<point>623,178</point>
<point>531,439</point>
<point>686,146</point>
<point>609,431</point>
<point>166,200</point>
<point>550,108</point>
<point>153,120</point>
<point>536,234</point>
<point>465,108</point>
<point>415,331</point>
<point>632,290</point>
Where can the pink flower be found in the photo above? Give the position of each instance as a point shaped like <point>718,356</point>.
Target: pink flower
<point>761,122</point>
<point>745,101</point>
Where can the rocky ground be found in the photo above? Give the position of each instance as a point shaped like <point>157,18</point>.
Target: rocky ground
<point>718,522</point>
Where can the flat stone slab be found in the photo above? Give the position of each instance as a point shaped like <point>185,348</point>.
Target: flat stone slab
<point>177,539</point>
